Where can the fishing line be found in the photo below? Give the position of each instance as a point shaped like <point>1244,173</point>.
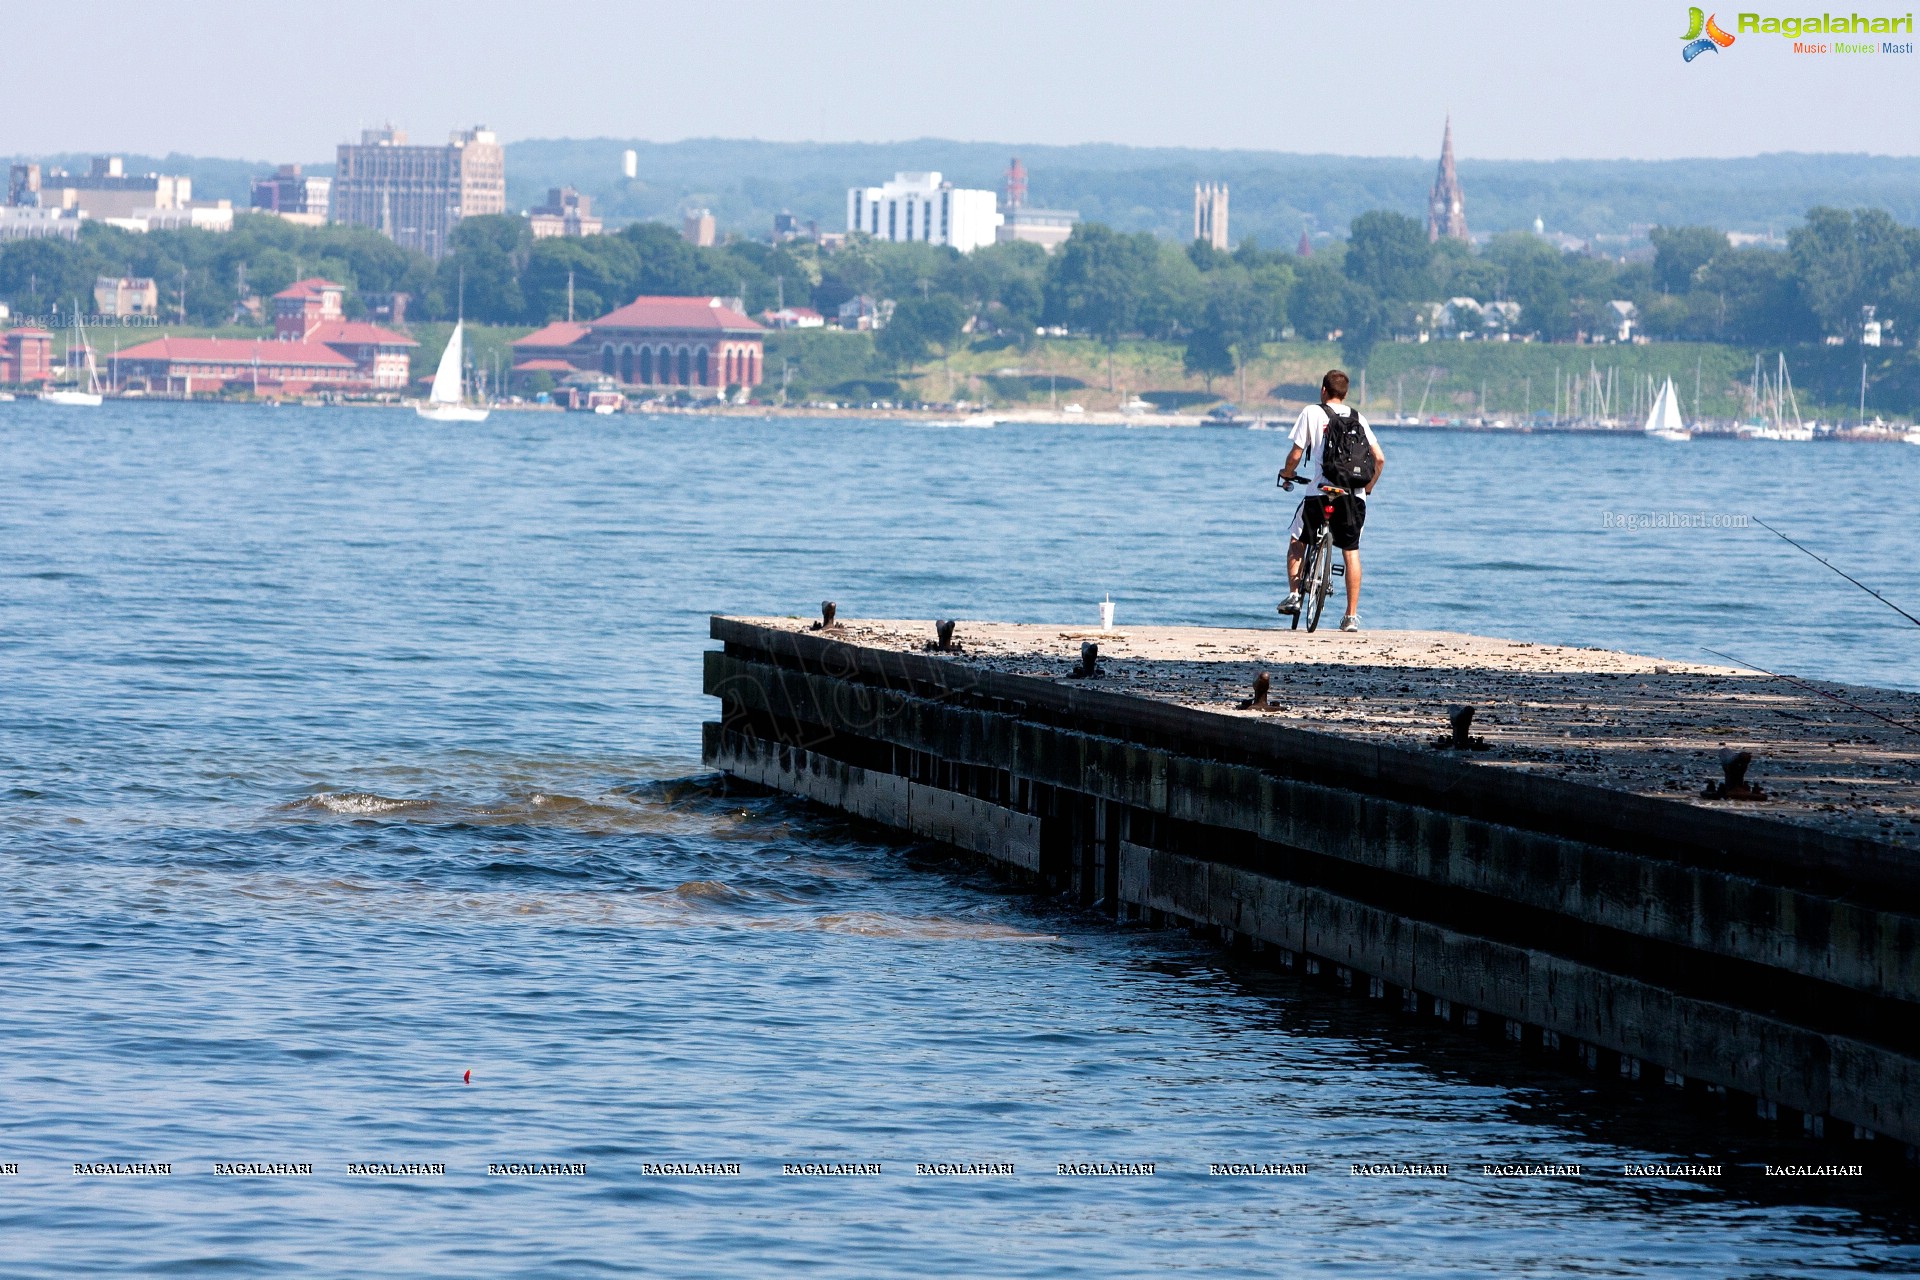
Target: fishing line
<point>1813,688</point>
<point>1842,572</point>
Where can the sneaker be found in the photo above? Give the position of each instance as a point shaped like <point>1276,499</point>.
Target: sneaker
<point>1350,623</point>
<point>1291,604</point>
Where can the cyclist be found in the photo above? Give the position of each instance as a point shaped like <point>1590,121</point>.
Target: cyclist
<point>1349,508</point>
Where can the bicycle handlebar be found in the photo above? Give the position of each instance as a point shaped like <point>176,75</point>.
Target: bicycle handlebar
<point>1287,482</point>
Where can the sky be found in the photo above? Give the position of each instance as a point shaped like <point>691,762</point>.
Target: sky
<point>276,81</point>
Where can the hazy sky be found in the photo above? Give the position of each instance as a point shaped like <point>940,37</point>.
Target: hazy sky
<point>278,81</point>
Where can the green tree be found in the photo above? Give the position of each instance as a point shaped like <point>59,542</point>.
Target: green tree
<point>1094,284</point>
<point>1678,252</point>
<point>921,327</point>
<point>1751,296</point>
<point>604,270</point>
<point>1847,261</point>
<point>1389,254</point>
<point>1209,355</point>
<point>1537,278</point>
<point>488,255</point>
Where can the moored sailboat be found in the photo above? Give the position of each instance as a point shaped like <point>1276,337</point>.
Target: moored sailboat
<point>446,401</point>
<point>73,396</point>
<point>1663,421</point>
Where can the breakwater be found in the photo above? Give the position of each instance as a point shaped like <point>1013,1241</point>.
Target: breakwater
<point>1766,951</point>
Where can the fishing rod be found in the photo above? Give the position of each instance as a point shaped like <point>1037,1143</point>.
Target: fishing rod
<point>1814,688</point>
<point>1842,572</point>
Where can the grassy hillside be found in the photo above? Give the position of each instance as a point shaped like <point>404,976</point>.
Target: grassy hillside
<point>1456,378</point>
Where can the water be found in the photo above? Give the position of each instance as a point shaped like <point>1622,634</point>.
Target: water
<point>341,755</point>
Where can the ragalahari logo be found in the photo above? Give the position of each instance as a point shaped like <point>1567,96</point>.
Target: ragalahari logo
<point>1713,41</point>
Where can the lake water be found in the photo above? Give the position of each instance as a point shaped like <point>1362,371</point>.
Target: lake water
<point>342,755</point>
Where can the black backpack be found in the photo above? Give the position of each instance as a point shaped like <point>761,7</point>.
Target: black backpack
<point>1346,459</point>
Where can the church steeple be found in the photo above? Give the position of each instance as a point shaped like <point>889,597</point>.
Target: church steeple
<point>1447,206</point>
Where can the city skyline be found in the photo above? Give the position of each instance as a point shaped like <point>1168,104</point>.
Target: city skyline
<point>1603,81</point>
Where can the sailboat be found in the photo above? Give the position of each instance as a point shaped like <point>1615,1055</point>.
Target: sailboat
<point>1663,421</point>
<point>90,398</point>
<point>445,402</point>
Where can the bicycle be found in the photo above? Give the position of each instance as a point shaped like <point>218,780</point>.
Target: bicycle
<point>1318,568</point>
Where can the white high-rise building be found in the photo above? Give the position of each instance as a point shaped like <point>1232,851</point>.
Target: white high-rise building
<point>921,206</point>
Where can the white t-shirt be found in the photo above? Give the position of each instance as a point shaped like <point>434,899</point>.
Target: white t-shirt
<point>1309,434</point>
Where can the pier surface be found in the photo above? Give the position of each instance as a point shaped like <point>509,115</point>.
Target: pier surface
<point>1648,726</point>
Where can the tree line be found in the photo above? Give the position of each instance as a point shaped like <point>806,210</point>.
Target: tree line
<point>1384,281</point>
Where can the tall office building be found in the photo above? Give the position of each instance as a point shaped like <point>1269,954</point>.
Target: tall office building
<point>416,194</point>
<point>1210,213</point>
<point>925,207</point>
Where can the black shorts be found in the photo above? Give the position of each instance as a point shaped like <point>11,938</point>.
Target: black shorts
<point>1349,514</point>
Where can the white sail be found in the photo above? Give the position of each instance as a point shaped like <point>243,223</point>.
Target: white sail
<point>1664,419</point>
<point>446,379</point>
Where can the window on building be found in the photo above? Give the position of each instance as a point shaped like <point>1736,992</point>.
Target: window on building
<point>700,367</point>
<point>646,365</point>
<point>626,364</point>
<point>606,358</point>
<point>686,366</point>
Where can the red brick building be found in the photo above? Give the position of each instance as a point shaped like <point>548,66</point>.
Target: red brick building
<point>210,364</point>
<point>314,345</point>
<point>26,355</point>
<point>653,342</point>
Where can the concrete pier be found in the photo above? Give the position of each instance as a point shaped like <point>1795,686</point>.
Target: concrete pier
<point>1560,879</point>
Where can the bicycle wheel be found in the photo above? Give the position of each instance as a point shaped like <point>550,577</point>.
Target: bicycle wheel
<point>1321,578</point>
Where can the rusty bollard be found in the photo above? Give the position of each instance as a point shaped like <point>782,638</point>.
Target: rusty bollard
<point>1458,736</point>
<point>1262,685</point>
<point>1089,661</point>
<point>1734,766</point>
<point>826,623</point>
<point>943,636</point>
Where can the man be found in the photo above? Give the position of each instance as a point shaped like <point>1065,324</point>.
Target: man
<point>1349,508</point>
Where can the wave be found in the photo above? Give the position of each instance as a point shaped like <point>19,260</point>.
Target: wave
<point>357,804</point>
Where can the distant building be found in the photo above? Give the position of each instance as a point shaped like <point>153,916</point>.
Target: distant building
<point>26,355</point>
<point>862,312</point>
<point>1624,316</point>
<point>293,195</point>
<point>106,190</point>
<point>1305,248</point>
<point>785,227</point>
<point>106,193</point>
<point>697,228</point>
<point>1210,213</point>
<point>665,342</point>
<point>313,345</point>
<point>29,223</point>
<point>630,163</point>
<point>1446,205</point>
<point>390,307</point>
<point>210,364</point>
<point>23,185</point>
<point>125,296</point>
<point>793,318</point>
<point>416,195</point>
<point>924,207</point>
<point>1048,228</point>
<point>206,215</point>
<point>566,213</point>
